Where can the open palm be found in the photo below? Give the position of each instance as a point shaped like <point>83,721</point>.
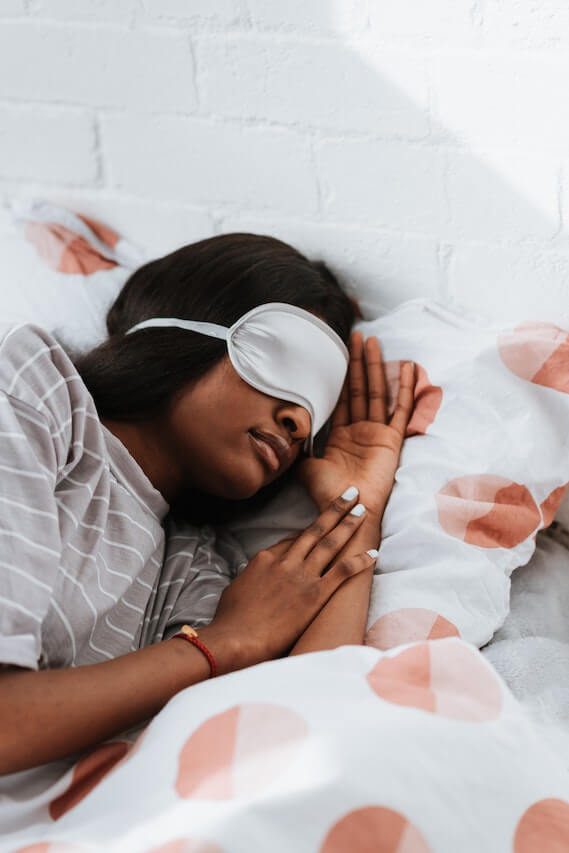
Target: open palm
<point>363,448</point>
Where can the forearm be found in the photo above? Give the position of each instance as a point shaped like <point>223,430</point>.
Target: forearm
<point>342,620</point>
<point>49,714</point>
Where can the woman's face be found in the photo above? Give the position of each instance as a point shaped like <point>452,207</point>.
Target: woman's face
<point>229,438</point>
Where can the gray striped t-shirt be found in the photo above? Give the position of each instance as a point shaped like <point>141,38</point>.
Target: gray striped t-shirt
<point>90,565</point>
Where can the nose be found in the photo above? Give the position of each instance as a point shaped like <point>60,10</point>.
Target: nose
<point>295,419</point>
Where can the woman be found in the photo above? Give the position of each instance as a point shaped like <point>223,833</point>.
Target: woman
<point>164,413</point>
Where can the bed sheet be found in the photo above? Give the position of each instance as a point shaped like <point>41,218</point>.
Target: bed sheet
<point>531,650</point>
<point>421,749</point>
<point>423,745</point>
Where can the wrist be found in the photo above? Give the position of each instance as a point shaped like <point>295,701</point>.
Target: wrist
<point>230,650</point>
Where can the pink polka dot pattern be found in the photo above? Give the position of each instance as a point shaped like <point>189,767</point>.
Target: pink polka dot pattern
<point>67,252</point>
<point>488,511</point>
<point>50,847</point>
<point>445,678</point>
<point>239,751</point>
<point>186,845</point>
<point>543,828</point>
<point>428,397</point>
<point>374,829</point>
<point>105,234</point>
<point>551,504</point>
<point>538,352</point>
<point>87,773</point>
<point>408,625</point>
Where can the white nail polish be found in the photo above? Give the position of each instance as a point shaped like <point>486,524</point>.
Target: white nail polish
<point>358,510</point>
<point>350,493</point>
<point>373,553</point>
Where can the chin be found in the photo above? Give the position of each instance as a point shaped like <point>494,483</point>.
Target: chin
<point>239,488</point>
<point>242,492</point>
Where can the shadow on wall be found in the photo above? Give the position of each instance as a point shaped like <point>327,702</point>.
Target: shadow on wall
<point>435,174</point>
<point>398,142</point>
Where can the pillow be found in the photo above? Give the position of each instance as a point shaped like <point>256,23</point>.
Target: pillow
<point>62,271</point>
<point>484,467</point>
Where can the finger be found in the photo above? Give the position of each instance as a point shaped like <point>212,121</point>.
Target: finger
<point>346,568</point>
<point>405,398</point>
<point>279,549</point>
<point>341,416</point>
<point>322,525</point>
<point>327,549</point>
<point>357,380</point>
<point>377,387</point>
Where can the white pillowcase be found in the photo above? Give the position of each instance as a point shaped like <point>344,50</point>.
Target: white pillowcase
<point>35,289</point>
<point>483,470</point>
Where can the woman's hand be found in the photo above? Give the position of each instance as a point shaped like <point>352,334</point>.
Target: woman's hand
<point>363,447</point>
<point>283,587</point>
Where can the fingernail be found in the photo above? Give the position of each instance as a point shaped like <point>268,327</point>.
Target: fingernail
<point>358,510</point>
<point>373,553</point>
<point>350,493</point>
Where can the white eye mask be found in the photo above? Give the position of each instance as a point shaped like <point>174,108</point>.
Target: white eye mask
<point>283,351</point>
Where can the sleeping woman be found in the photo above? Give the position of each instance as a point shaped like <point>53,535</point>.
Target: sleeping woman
<point>223,361</point>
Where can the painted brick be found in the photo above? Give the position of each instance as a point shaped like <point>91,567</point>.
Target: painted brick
<point>96,66</point>
<point>200,162</point>
<point>562,239</point>
<point>389,185</point>
<point>526,23</point>
<point>510,284</point>
<point>381,268</point>
<point>85,10</point>
<point>487,99</point>
<point>12,8</point>
<point>199,12</point>
<point>314,84</point>
<point>433,20</point>
<point>502,195</point>
<point>52,145</point>
<point>312,16</point>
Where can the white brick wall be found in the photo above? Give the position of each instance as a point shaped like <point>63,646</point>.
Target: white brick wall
<point>420,148</point>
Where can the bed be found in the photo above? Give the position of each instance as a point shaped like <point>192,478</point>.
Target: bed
<point>423,745</point>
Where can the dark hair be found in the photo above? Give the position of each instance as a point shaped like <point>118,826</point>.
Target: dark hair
<point>133,377</point>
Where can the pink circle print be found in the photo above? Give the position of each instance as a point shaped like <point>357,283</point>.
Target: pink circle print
<point>551,504</point>
<point>239,751</point>
<point>66,251</point>
<point>374,829</point>
<point>543,828</point>
<point>50,847</point>
<point>427,401</point>
<point>446,678</point>
<point>487,510</point>
<point>408,625</point>
<point>538,352</point>
<point>87,773</point>
<point>187,845</point>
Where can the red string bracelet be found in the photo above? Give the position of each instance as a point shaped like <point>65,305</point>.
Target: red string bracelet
<point>191,635</point>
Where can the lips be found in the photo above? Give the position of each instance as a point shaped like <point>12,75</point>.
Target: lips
<point>273,449</point>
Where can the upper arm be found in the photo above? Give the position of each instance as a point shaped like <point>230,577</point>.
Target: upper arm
<point>36,444</point>
<point>30,544</point>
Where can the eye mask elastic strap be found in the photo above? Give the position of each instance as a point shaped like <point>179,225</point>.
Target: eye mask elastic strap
<point>211,329</point>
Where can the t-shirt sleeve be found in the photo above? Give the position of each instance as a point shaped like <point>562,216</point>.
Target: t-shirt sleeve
<point>199,563</point>
<point>43,404</point>
<point>30,543</point>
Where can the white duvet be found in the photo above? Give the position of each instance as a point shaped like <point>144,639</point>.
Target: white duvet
<point>421,748</point>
